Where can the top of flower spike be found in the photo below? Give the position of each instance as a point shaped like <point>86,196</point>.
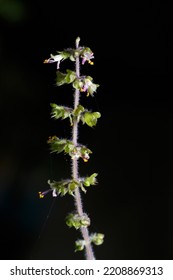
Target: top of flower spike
<point>84,52</point>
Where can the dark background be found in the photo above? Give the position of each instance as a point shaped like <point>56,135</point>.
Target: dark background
<point>132,143</point>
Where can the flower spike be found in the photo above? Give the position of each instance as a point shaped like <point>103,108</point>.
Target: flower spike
<point>71,147</point>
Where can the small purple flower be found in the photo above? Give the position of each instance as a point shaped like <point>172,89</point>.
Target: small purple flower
<point>86,85</point>
<point>87,56</point>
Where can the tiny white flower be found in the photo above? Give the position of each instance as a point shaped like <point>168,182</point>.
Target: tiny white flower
<point>54,58</point>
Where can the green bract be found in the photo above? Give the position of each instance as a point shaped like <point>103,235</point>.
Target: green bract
<point>62,78</point>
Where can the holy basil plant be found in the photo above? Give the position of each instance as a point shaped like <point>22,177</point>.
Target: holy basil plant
<point>75,185</point>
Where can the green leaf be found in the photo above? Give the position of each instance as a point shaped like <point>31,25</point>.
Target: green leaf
<point>91,180</point>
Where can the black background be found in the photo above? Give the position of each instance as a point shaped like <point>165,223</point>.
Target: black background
<point>131,144</point>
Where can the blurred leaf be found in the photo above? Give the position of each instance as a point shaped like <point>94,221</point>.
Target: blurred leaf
<point>12,10</point>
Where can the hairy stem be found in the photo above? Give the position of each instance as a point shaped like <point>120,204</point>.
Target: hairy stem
<point>78,202</point>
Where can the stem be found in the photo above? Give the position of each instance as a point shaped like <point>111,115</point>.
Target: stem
<point>78,201</point>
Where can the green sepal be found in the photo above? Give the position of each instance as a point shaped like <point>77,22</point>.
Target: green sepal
<point>86,51</point>
<point>92,88</point>
<point>56,144</point>
<point>97,238</point>
<point>77,221</point>
<point>91,180</point>
<point>60,187</point>
<point>84,153</point>
<point>82,187</point>
<point>70,76</point>
<point>77,84</point>
<point>72,186</point>
<point>62,112</point>
<point>67,53</point>
<point>78,110</point>
<point>90,118</point>
<point>79,245</point>
<point>69,147</point>
<point>88,85</point>
<point>62,78</point>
